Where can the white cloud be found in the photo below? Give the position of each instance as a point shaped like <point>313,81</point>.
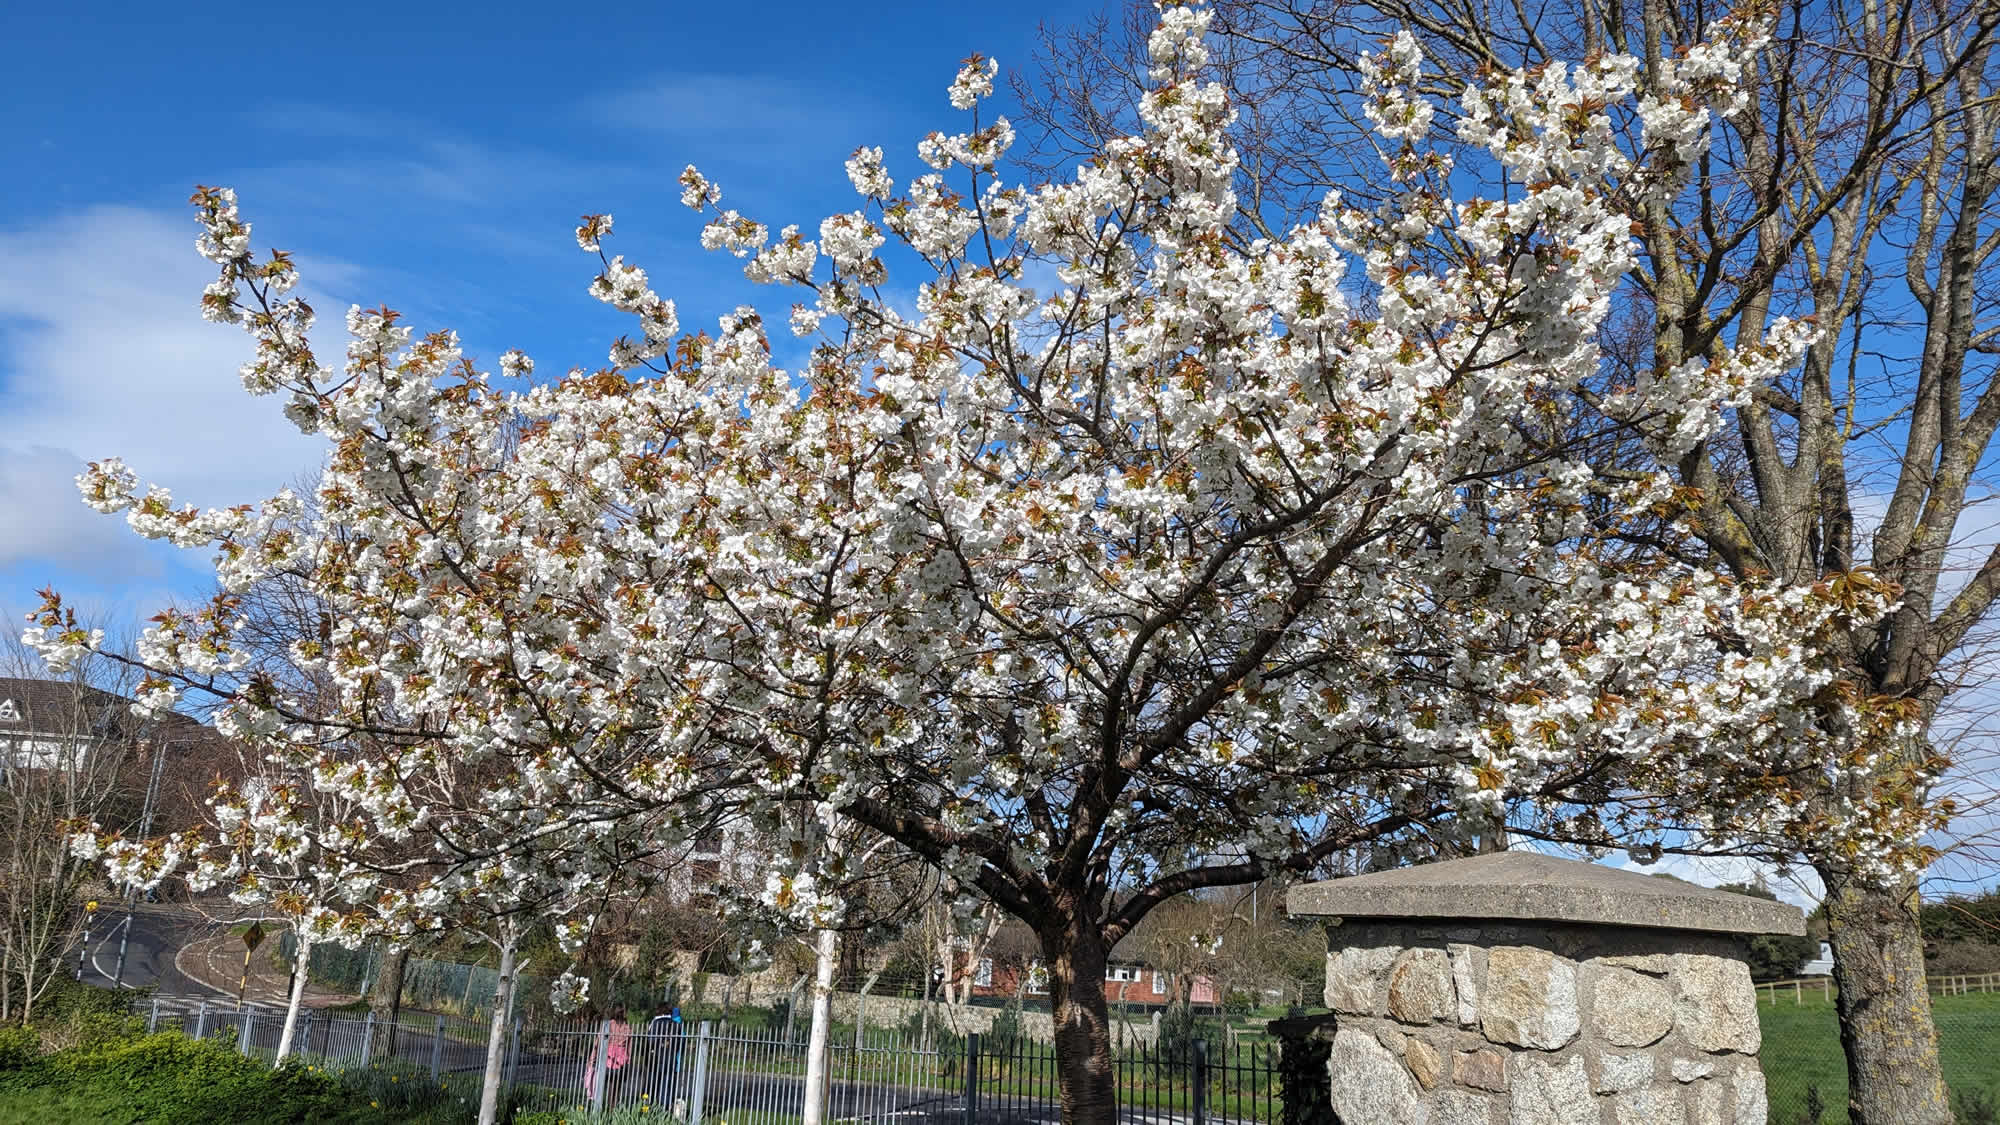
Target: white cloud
<point>1796,885</point>
<point>103,353</point>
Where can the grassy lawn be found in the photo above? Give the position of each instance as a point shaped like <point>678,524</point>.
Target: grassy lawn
<point>1802,1051</point>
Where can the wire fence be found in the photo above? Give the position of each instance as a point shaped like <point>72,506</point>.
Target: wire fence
<point>710,1072</point>
<point>1806,1073</point>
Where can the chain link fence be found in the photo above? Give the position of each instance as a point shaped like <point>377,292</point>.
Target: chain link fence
<point>449,987</point>
<point>1807,1074</point>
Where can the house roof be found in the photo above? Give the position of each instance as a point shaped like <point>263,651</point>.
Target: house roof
<point>63,707</point>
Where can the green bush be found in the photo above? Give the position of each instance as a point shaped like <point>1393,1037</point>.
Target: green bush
<point>171,1078</point>
<point>19,1046</point>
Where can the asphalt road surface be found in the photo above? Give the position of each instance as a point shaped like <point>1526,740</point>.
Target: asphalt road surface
<point>150,942</point>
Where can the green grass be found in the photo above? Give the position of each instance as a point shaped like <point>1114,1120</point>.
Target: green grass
<point>1802,1051</point>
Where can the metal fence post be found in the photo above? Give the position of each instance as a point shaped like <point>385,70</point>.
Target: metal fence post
<point>971,1078</point>
<point>1200,1090</point>
<point>514,1055</point>
<point>437,1051</point>
<point>243,1042</point>
<point>201,1020</point>
<point>602,1055</point>
<point>367,1038</point>
<point>699,1092</point>
<point>153,1018</point>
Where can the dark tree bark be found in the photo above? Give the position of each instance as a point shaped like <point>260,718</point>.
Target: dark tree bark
<point>385,999</point>
<point>1076,956</point>
<point>1886,1030</point>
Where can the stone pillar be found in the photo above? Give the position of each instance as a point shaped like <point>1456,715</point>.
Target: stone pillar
<point>1523,989</point>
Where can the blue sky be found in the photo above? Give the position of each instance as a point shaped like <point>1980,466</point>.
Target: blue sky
<point>433,157</point>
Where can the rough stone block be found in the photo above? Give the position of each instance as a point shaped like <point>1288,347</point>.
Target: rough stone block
<point>1618,1073</point>
<point>1552,1093</point>
<point>1753,1103</point>
<point>1373,1086</point>
<point>1354,979</point>
<point>1420,989</point>
<point>1530,998</point>
<point>1468,965</point>
<point>1688,1070</point>
<point>1708,1104</point>
<point>1461,1107</point>
<point>1424,1062</point>
<point>1715,1006</point>
<point>1482,1069</point>
<point>1653,1105</point>
<point>1629,1008</point>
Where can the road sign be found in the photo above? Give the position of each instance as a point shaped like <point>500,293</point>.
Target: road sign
<point>254,936</point>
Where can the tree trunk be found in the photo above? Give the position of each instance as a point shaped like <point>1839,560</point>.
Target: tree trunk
<point>385,999</point>
<point>1893,1076</point>
<point>301,966</point>
<point>822,1021</point>
<point>1076,958</point>
<point>496,1036</point>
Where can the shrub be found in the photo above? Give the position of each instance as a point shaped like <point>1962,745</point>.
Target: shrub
<point>169,1077</point>
<point>19,1046</point>
<point>1950,958</point>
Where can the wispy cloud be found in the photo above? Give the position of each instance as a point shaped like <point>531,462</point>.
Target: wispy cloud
<point>756,109</point>
<point>102,353</point>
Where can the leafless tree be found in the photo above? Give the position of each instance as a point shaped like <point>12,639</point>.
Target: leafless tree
<point>68,748</point>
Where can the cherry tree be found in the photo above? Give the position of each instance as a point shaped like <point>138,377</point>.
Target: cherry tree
<point>1212,548</point>
<point>1144,557</point>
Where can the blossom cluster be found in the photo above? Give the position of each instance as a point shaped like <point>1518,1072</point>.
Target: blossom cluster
<point>1270,539</point>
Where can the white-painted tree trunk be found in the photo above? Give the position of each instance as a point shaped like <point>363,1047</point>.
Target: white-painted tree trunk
<point>496,1036</point>
<point>822,1021</point>
<point>302,961</point>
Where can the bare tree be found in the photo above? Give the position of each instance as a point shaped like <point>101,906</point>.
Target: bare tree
<point>1856,187</point>
<point>67,751</point>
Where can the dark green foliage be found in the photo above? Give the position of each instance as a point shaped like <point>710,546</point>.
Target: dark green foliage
<point>1962,935</point>
<point>1005,1034</point>
<point>1179,1028</point>
<point>1962,919</point>
<point>1774,956</point>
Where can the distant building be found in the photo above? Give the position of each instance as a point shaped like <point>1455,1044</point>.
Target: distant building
<point>1130,983</point>
<point>1820,966</point>
<point>60,726</point>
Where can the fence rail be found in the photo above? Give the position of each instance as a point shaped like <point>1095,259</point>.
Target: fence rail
<point>710,1072</point>
<point>1954,984</point>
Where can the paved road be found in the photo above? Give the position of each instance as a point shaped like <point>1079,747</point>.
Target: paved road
<point>154,936</point>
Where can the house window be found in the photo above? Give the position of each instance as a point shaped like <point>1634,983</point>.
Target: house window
<point>1122,973</point>
<point>1038,978</point>
<point>983,976</point>
<point>1159,983</point>
<point>9,711</point>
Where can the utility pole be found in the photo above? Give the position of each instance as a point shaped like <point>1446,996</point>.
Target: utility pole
<point>145,829</point>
